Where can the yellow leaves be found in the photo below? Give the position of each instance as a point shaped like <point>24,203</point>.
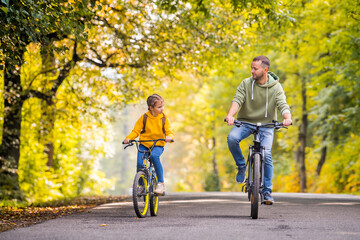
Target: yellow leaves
<point>255,11</point>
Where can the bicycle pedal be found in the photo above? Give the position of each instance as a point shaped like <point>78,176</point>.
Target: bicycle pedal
<point>158,194</point>
<point>267,202</point>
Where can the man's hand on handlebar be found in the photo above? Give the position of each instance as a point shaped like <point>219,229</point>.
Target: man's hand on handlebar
<point>229,120</point>
<point>126,141</point>
<point>287,122</point>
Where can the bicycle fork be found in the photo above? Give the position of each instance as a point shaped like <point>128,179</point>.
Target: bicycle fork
<point>262,176</point>
<point>247,187</point>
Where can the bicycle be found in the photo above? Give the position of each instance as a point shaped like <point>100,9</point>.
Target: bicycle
<point>145,182</point>
<point>254,182</point>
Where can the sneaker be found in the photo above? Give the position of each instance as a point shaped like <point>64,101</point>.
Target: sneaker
<point>268,199</point>
<point>240,176</point>
<point>160,189</point>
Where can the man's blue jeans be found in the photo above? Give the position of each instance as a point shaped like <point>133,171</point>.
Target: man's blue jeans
<point>266,138</point>
<point>155,158</point>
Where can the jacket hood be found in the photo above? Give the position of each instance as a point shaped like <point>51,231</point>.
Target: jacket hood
<point>151,116</point>
<point>273,80</point>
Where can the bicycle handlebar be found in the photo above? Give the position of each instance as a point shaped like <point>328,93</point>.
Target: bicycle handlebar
<point>275,124</point>
<point>131,143</point>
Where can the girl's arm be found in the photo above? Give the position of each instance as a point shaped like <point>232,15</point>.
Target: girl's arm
<point>137,129</point>
<point>168,133</point>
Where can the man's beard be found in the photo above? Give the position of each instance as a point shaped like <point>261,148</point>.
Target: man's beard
<point>256,78</point>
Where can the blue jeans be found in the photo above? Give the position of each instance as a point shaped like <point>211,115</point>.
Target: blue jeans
<point>155,158</point>
<point>266,138</point>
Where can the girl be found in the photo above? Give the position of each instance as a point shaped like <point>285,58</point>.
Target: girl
<point>150,126</point>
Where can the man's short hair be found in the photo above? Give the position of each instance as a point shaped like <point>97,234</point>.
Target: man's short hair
<point>265,62</point>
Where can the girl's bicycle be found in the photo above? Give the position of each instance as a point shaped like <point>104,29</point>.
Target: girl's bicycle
<point>145,182</point>
<point>255,165</point>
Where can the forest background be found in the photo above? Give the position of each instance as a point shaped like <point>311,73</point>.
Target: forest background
<point>75,76</point>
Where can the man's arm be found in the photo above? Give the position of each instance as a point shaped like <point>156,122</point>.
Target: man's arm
<point>232,111</point>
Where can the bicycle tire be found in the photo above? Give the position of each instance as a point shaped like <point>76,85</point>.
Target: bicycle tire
<point>154,199</point>
<point>140,194</point>
<point>255,187</point>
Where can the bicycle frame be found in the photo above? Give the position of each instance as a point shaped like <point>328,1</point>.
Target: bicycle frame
<point>148,170</point>
<point>145,177</point>
<point>254,184</point>
<point>255,149</point>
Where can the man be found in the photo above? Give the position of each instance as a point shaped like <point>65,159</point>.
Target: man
<point>256,99</point>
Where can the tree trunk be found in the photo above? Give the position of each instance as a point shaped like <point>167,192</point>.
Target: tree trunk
<point>302,139</point>
<point>14,97</point>
<point>215,168</point>
<point>212,182</point>
<point>322,157</point>
<point>48,108</point>
<point>10,146</point>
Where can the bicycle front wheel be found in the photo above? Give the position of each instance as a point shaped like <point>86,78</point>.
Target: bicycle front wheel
<point>140,194</point>
<point>255,186</point>
<point>154,199</point>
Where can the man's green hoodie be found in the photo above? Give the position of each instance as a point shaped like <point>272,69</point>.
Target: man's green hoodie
<point>257,103</point>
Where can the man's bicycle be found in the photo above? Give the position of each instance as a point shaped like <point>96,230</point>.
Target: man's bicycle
<point>145,182</point>
<point>255,165</point>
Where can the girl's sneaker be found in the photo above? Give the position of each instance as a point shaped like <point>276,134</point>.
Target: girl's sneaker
<point>160,189</point>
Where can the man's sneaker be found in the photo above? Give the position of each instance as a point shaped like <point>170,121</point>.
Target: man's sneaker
<point>160,189</point>
<point>268,199</point>
<point>240,176</point>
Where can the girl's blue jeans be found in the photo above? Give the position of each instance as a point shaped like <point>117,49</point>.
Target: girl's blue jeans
<point>266,138</point>
<point>155,158</point>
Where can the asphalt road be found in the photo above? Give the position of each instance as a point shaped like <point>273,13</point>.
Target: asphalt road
<point>210,216</point>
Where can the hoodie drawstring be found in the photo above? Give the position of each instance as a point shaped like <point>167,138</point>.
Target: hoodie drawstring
<point>267,101</point>
<point>252,90</point>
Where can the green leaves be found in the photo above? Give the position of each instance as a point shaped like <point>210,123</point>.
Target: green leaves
<point>33,21</point>
<point>4,9</point>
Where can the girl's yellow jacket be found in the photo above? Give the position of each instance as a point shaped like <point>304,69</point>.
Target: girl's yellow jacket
<point>153,129</point>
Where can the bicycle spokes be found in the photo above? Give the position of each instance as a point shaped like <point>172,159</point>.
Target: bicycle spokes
<point>140,194</point>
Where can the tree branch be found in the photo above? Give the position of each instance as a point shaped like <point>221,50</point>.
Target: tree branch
<point>33,93</point>
<point>104,64</point>
<point>64,72</point>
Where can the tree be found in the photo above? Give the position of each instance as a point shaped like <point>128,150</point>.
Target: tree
<point>25,22</point>
<point>136,36</point>
<point>316,56</point>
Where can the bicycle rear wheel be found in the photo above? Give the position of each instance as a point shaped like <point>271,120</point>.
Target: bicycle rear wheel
<point>140,194</point>
<point>255,186</point>
<point>154,199</point>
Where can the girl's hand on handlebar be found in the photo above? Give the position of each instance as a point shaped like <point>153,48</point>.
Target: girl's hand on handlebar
<point>126,141</point>
<point>168,139</point>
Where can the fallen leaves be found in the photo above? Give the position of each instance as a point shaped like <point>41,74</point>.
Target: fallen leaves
<point>12,217</point>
